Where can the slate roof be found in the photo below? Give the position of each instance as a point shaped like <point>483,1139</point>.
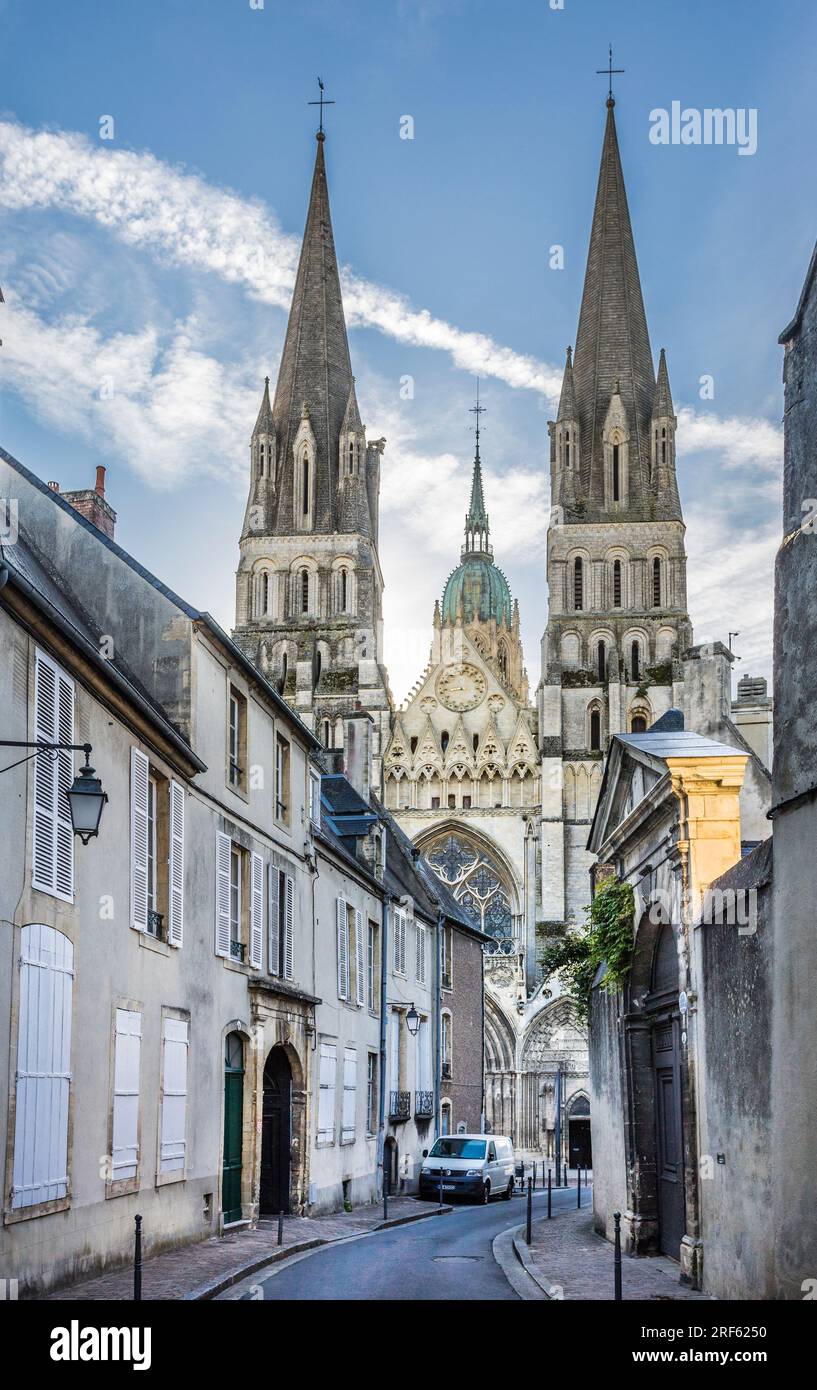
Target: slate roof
<point>679,743</point>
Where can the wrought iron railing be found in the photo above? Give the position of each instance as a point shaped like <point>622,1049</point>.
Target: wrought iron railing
<point>400,1105</point>
<point>156,925</point>
<point>237,950</point>
<point>423,1104</point>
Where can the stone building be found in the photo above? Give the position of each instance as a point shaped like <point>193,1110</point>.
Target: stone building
<point>309,586</point>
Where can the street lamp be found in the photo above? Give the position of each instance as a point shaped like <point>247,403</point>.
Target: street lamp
<point>412,1016</point>
<point>85,798</point>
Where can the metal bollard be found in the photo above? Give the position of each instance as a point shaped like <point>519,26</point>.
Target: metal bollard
<point>441,1189</point>
<point>530,1210</point>
<point>534,1175</point>
<point>385,1193</point>
<point>578,1187</point>
<point>137,1260</point>
<point>617,1256</point>
<point>280,1228</point>
<point>550,1195</point>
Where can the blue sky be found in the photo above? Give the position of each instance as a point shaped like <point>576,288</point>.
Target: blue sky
<point>147,276</point>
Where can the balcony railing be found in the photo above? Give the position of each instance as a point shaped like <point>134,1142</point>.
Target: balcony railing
<point>156,925</point>
<point>423,1104</point>
<point>400,1105</point>
<point>237,950</point>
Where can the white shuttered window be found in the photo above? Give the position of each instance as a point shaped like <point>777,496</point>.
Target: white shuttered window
<point>139,793</point>
<point>127,1051</point>
<point>256,910</point>
<point>343,949</point>
<point>174,1096</point>
<point>347,1132</point>
<point>288,926</point>
<point>399,928</point>
<point>223,847</point>
<point>421,953</point>
<point>360,960</point>
<point>176,867</point>
<point>326,1093</point>
<point>53,868</point>
<point>40,1172</point>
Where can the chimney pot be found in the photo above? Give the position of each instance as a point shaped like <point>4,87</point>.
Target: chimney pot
<point>55,487</point>
<point>100,479</point>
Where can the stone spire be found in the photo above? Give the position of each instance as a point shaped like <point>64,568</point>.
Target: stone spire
<point>663,396</point>
<point>567,400</point>
<point>476,518</point>
<point>264,422</point>
<point>613,342</point>
<point>315,370</point>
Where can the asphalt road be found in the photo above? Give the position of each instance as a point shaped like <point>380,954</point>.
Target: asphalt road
<point>444,1257</point>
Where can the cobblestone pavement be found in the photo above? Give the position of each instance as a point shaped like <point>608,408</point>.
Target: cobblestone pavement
<point>178,1274</point>
<point>570,1261</point>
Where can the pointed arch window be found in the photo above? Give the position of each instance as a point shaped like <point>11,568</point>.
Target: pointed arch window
<point>595,730</point>
<point>503,661</point>
<point>305,499</point>
<point>639,724</point>
<point>616,583</point>
<point>444,739</point>
<point>567,448</point>
<point>351,456</point>
<point>663,445</point>
<point>602,661</point>
<point>656,583</point>
<point>635,663</point>
<point>304,583</point>
<point>578,584</point>
<point>327,734</point>
<point>261,459</point>
<point>616,474</point>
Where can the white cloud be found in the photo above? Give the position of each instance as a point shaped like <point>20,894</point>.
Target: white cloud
<point>181,218</point>
<point>740,440</point>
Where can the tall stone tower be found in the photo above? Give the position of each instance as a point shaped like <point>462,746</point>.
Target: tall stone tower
<point>309,586</point>
<point>618,626</point>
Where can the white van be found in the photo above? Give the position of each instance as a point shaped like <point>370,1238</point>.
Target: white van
<point>473,1165</point>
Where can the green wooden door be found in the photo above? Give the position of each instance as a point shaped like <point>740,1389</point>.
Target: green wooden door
<point>233,1118</point>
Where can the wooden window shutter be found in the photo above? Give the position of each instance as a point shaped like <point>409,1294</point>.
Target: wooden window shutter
<point>273,927</point>
<point>176,868</point>
<point>223,846</point>
<point>256,910</point>
<point>421,953</point>
<point>53,867</point>
<point>360,960</point>
<point>326,1093</point>
<point>139,772</point>
<point>288,928</point>
<point>127,1053</point>
<point>174,1096</point>
<point>40,1166</point>
<point>343,950</point>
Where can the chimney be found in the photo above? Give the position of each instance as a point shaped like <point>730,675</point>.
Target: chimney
<point>90,503</point>
<point>55,487</point>
<point>357,752</point>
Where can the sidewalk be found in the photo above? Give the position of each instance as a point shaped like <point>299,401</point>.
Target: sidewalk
<point>209,1266</point>
<point>569,1261</point>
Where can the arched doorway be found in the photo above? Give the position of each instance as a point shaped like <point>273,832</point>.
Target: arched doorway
<point>390,1163</point>
<point>662,1007</point>
<point>579,1148</point>
<point>276,1134</point>
<point>233,1127</point>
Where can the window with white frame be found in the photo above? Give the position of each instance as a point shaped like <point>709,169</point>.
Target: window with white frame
<point>53,837</point>
<point>40,1163</point>
<point>281,779</point>
<point>446,1044</point>
<point>326,1091</point>
<point>173,1123</point>
<point>372,967</point>
<point>157,808</point>
<point>347,1131</point>
<point>371,1092</point>
<point>315,797</point>
<point>125,1122</point>
<point>351,953</point>
<point>239,902</point>
<point>448,957</point>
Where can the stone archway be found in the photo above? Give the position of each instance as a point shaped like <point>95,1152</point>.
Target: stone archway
<point>555,1067</point>
<point>500,1071</point>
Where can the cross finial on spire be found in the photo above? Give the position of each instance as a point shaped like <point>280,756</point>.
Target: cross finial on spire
<point>477,410</point>
<point>321,102</point>
<point>608,72</point>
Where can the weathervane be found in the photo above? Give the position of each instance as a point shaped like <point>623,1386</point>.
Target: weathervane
<point>321,102</point>
<point>608,71</point>
<point>477,410</point>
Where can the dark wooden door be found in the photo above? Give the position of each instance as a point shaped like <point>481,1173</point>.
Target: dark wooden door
<point>581,1154</point>
<point>276,1134</point>
<point>233,1125</point>
<point>669,1137</point>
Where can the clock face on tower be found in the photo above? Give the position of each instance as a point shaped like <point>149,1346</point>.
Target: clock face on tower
<point>461,686</point>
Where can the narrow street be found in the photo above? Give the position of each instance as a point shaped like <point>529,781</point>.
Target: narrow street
<point>444,1258</point>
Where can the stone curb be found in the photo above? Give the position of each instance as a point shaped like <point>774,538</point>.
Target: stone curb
<point>234,1276</point>
<point>520,1245</point>
<point>505,1254</point>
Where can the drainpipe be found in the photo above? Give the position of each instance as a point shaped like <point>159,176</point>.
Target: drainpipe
<point>438,1030</point>
<point>482,1032</point>
<point>384,1021</point>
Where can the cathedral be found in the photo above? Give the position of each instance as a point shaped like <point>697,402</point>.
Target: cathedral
<point>497,791</point>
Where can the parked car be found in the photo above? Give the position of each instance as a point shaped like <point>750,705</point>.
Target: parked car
<point>470,1165</point>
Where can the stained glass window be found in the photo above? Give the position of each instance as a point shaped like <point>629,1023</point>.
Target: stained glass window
<point>476,882</point>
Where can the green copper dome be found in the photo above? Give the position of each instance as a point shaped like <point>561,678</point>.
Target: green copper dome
<point>481,588</point>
